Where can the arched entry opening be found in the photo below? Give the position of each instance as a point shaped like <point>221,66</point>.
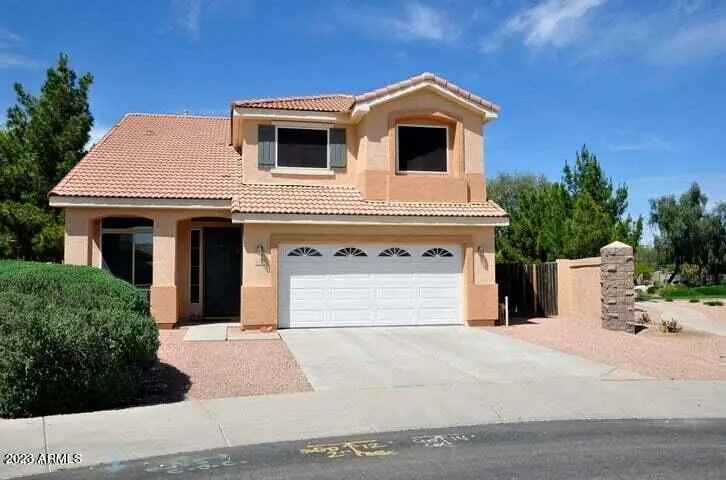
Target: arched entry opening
<point>210,268</point>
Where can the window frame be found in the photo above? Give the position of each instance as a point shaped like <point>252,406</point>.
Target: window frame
<point>201,265</point>
<point>421,172</point>
<point>297,126</point>
<point>125,231</point>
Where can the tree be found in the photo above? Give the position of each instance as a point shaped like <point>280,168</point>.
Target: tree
<point>570,219</point>
<point>681,228</point>
<point>688,234</point>
<point>43,138</point>
<point>645,263</point>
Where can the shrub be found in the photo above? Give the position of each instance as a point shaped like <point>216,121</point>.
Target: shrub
<point>71,339</point>
<point>668,299</point>
<point>652,290</point>
<point>81,287</point>
<point>670,326</point>
<point>674,291</point>
<point>693,300</point>
<point>714,303</point>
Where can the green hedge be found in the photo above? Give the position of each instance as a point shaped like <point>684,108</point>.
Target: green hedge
<point>71,339</point>
<point>685,292</point>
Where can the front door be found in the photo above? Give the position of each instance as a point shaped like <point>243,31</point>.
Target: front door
<point>222,272</point>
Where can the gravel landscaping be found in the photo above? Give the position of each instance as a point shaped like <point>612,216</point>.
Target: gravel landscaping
<point>714,312</point>
<point>202,370</point>
<point>686,355</point>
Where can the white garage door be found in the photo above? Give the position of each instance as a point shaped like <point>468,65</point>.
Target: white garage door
<point>369,285</point>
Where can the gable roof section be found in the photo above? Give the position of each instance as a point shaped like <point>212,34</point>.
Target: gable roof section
<point>342,103</point>
<point>342,200</point>
<point>158,156</point>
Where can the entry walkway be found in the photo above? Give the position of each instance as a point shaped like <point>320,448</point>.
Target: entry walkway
<point>223,331</point>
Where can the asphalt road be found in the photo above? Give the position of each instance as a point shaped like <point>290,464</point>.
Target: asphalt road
<point>622,449</point>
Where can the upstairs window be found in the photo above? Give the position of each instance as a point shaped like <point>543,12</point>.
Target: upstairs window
<point>421,148</point>
<point>302,147</point>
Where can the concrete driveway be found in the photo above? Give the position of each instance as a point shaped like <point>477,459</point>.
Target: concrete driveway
<point>358,358</point>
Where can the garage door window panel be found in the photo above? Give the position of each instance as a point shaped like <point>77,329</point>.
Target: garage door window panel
<point>422,148</point>
<point>304,252</point>
<point>350,252</point>
<point>437,252</point>
<point>394,252</point>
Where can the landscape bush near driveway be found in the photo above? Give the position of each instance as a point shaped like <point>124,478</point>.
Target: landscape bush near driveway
<point>71,339</point>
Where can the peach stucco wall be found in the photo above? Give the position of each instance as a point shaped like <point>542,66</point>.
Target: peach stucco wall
<point>578,288</point>
<point>371,159</point>
<point>170,289</point>
<point>259,290</point>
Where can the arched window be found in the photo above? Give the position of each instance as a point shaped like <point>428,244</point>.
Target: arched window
<point>394,252</point>
<point>437,252</point>
<point>350,252</point>
<point>304,252</point>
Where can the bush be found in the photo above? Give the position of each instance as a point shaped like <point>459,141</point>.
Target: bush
<point>71,339</point>
<point>652,290</point>
<point>714,303</point>
<point>693,300</point>
<point>670,326</point>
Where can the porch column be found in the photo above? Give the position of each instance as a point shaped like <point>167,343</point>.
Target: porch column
<point>482,302</point>
<point>164,305</point>
<point>77,243</point>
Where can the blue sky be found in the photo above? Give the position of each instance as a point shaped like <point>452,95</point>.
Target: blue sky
<point>642,83</point>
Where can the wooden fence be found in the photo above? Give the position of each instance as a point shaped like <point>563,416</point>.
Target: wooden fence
<point>531,288</point>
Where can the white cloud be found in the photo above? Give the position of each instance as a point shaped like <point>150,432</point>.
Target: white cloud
<point>550,23</point>
<point>423,22</point>
<point>415,21</point>
<point>680,32</point>
<point>8,60</point>
<point>9,46</point>
<point>97,132</point>
<point>187,15</point>
<point>649,144</point>
<point>8,38</point>
<point>691,42</point>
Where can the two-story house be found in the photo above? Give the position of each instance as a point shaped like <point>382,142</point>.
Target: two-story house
<point>294,212</point>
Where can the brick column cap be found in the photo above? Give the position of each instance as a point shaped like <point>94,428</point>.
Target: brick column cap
<point>617,246</point>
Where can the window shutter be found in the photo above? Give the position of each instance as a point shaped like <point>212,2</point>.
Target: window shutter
<point>338,150</point>
<point>265,145</point>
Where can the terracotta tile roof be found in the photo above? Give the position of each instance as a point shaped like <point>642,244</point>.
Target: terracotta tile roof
<point>158,156</point>
<point>342,200</point>
<point>426,77</point>
<point>345,103</point>
<point>318,103</point>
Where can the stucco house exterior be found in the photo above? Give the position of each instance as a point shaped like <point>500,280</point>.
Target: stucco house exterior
<point>294,212</point>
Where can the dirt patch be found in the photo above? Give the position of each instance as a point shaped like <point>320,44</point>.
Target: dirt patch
<point>686,355</point>
<point>202,370</point>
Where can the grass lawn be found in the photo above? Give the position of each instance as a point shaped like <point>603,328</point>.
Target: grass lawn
<point>682,292</point>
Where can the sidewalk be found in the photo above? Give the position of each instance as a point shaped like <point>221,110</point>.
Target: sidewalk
<point>104,437</point>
